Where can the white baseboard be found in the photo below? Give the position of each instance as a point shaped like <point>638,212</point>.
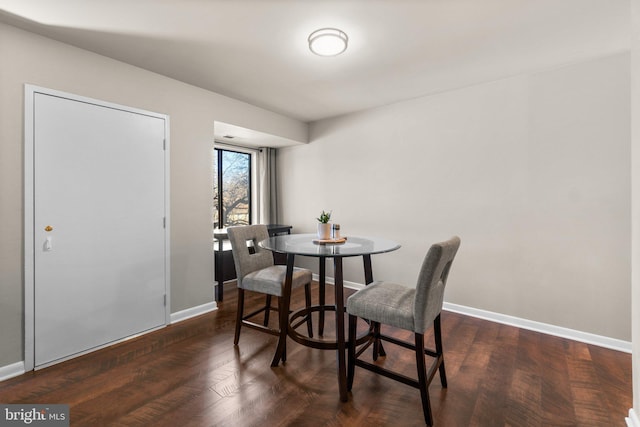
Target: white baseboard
<point>16,369</point>
<point>545,328</point>
<point>11,371</point>
<point>347,284</point>
<point>179,316</point>
<point>632,420</point>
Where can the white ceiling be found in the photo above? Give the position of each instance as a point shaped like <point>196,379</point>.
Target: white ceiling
<point>256,51</point>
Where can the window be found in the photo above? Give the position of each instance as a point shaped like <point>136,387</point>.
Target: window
<point>232,187</point>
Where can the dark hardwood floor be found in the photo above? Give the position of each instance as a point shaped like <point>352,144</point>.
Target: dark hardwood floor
<point>190,374</point>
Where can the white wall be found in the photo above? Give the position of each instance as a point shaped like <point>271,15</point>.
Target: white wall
<point>532,172</point>
<point>28,58</point>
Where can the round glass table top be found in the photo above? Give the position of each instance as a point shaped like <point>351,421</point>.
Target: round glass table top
<point>302,244</point>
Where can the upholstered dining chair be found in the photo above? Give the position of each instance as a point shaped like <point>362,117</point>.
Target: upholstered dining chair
<point>409,308</point>
<point>256,272</point>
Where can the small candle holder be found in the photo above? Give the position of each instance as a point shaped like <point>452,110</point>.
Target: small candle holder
<point>335,231</point>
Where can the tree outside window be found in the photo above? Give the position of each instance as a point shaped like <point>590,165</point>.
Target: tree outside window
<point>231,188</point>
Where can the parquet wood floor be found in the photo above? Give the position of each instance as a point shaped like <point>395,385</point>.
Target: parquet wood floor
<point>190,374</point>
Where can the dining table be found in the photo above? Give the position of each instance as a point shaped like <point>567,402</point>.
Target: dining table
<point>308,245</point>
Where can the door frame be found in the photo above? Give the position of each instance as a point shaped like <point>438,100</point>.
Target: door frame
<point>30,92</point>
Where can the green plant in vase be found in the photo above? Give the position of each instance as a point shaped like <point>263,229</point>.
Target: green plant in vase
<point>324,228</point>
<point>324,217</point>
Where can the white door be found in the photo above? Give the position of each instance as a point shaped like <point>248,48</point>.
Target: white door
<point>98,225</point>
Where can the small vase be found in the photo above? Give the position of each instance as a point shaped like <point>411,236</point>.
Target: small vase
<point>324,231</point>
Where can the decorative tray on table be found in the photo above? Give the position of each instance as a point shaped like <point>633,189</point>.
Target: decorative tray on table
<point>329,241</point>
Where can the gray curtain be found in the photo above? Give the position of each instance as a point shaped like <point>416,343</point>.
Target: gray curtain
<point>268,186</point>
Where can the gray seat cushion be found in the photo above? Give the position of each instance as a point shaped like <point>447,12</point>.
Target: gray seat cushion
<point>385,302</point>
<point>255,269</point>
<point>413,309</point>
<point>270,280</point>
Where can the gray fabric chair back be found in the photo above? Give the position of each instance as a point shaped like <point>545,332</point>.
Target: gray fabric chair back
<point>245,261</point>
<point>431,282</point>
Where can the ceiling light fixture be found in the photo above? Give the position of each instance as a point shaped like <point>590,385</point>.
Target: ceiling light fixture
<point>328,42</point>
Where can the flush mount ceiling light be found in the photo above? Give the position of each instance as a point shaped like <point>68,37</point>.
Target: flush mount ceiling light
<point>328,42</point>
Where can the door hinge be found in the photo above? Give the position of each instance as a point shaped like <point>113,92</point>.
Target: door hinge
<point>164,144</point>
<point>165,300</point>
<point>164,222</point>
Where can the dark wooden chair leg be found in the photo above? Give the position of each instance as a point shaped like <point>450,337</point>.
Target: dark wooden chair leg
<point>283,319</point>
<point>351,351</point>
<point>378,350</point>
<point>375,330</point>
<point>422,379</point>
<point>239,314</point>
<point>267,310</point>
<point>284,325</point>
<point>307,300</point>
<point>284,302</point>
<point>437,332</point>
<point>380,347</point>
